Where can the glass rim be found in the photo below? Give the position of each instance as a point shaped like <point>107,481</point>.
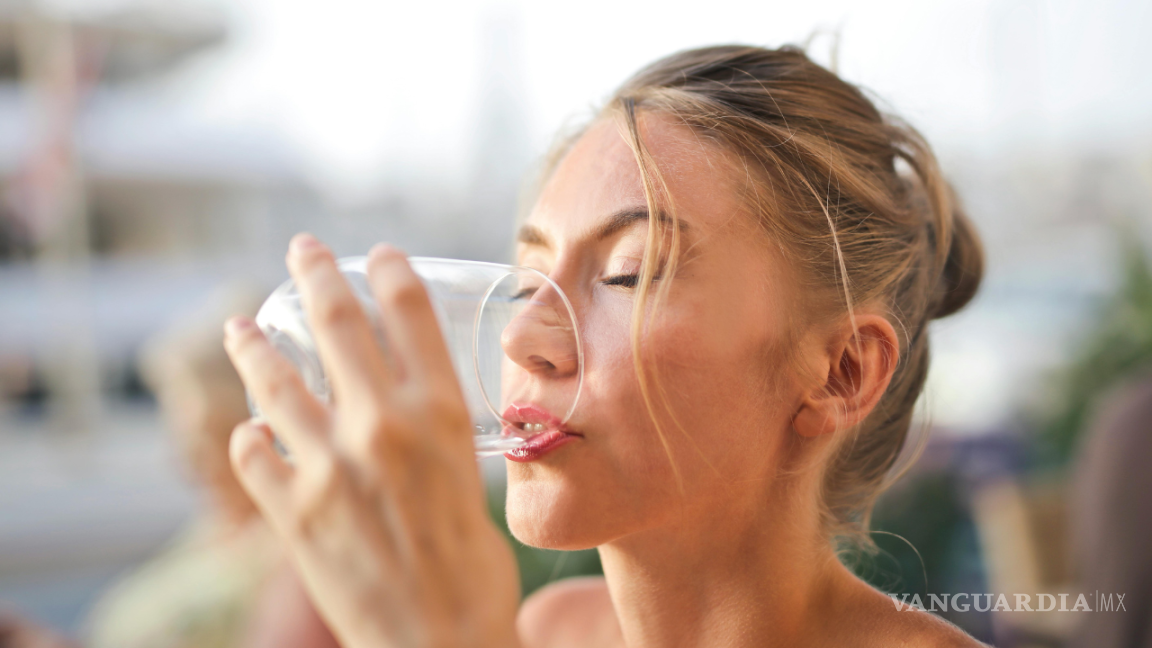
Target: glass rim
<point>511,271</point>
<point>360,262</point>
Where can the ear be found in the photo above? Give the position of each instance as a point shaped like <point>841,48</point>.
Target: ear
<point>855,366</point>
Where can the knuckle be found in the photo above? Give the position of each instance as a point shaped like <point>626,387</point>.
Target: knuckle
<point>405,292</point>
<point>302,523</point>
<point>388,441</point>
<point>241,450</point>
<point>325,474</point>
<point>279,386</point>
<point>457,419</point>
<point>320,487</point>
<point>453,420</point>
<point>402,443</point>
<point>448,409</point>
<point>372,412</point>
<point>337,310</point>
<point>365,444</point>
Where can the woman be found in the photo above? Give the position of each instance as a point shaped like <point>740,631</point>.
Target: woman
<point>784,245</point>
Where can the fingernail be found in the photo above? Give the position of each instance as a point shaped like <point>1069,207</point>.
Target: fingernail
<point>304,242</point>
<point>237,325</point>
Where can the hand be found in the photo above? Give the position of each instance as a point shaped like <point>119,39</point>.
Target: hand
<point>382,506</point>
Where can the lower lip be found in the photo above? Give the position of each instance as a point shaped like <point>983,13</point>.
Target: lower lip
<point>539,445</point>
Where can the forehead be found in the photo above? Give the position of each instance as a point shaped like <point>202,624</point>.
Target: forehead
<point>599,176</point>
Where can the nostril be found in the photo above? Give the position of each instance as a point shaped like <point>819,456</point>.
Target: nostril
<point>541,363</point>
<point>540,341</point>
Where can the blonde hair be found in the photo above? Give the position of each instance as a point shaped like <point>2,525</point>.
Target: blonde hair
<point>825,183</point>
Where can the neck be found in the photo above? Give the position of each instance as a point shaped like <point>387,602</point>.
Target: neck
<point>725,579</point>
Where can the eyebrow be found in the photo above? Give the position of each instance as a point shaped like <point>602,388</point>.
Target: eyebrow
<point>532,235</point>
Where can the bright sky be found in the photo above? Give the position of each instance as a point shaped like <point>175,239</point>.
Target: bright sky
<point>366,89</point>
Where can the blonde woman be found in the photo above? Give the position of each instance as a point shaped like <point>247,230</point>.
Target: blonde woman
<point>754,253</point>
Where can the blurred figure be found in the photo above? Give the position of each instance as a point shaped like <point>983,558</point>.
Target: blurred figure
<point>19,632</point>
<point>201,589</point>
<point>1112,518</point>
<point>224,582</point>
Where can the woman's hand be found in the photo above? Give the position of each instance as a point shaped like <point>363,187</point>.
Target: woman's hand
<point>382,506</point>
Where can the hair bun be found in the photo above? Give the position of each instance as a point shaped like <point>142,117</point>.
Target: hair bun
<point>963,269</point>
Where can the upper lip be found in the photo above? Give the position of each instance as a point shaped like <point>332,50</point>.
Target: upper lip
<point>520,414</point>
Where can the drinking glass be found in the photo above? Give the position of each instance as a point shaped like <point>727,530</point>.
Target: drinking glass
<point>511,333</point>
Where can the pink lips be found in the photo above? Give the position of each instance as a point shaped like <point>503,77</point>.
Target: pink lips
<point>551,437</point>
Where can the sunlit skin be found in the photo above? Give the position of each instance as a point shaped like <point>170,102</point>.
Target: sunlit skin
<point>383,508</point>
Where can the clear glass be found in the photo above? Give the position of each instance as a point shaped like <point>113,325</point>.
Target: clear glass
<point>510,331</point>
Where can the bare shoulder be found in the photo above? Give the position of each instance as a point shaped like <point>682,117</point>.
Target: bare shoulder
<point>930,631</point>
<point>569,613</point>
<point>910,628</point>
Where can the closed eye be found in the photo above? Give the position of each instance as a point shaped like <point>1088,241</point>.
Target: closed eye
<point>625,280</point>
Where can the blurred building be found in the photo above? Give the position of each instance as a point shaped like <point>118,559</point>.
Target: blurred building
<point>109,188</point>
<point>116,209</point>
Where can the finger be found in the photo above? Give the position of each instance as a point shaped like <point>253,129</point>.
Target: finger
<point>348,348</point>
<point>293,412</point>
<point>406,311</point>
<point>265,476</point>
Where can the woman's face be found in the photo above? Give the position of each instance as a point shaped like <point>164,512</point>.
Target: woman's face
<point>717,346</point>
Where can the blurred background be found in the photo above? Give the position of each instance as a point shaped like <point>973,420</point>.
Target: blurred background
<point>157,155</point>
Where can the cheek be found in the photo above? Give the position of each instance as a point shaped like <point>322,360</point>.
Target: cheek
<point>725,380</point>
<point>715,372</point>
<point>615,402</point>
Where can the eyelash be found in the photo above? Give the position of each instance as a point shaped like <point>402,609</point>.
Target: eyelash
<point>622,280</point>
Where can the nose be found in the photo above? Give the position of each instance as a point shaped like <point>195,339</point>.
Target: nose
<point>541,338</point>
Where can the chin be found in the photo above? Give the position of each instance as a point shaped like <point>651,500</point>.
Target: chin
<point>551,515</point>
